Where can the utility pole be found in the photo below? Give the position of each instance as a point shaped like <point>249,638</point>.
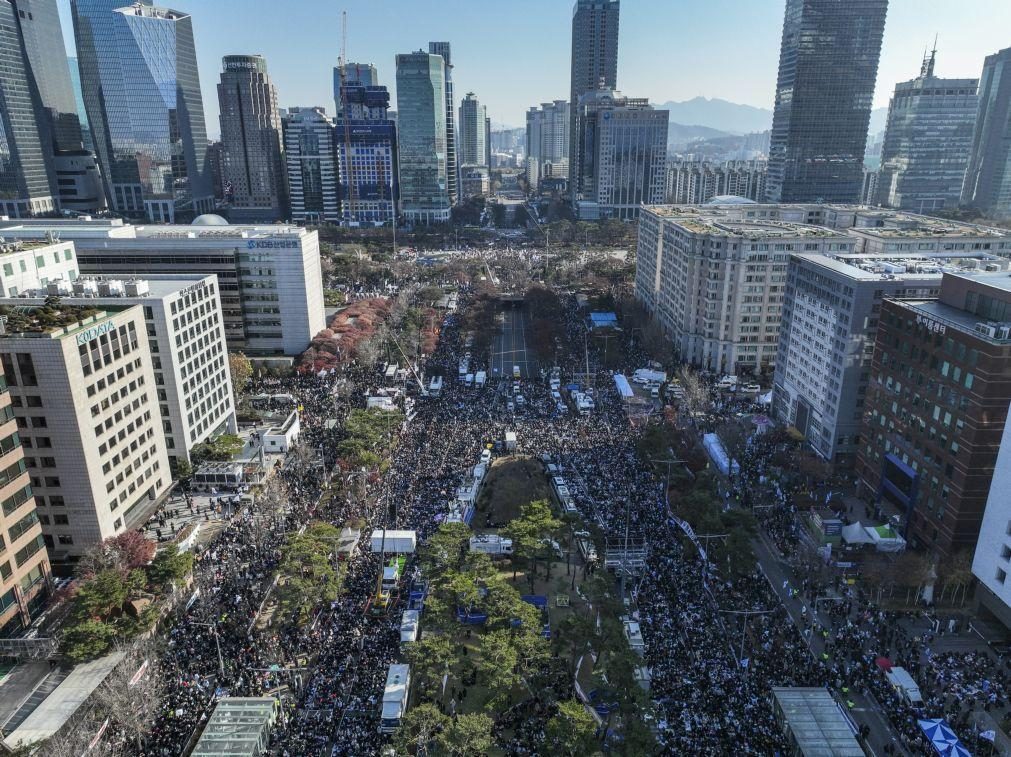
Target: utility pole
<point>744,629</point>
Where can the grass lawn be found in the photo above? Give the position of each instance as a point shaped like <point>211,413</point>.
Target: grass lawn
<point>512,482</point>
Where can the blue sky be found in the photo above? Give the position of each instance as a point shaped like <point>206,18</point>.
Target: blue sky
<point>515,53</point>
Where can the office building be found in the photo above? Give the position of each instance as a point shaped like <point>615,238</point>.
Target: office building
<point>421,127</point>
<point>927,142</point>
<point>936,406</point>
<point>33,264</point>
<point>827,70</point>
<point>142,93</point>
<point>487,141</point>
<point>82,114</point>
<point>185,330</point>
<point>267,275</point>
<point>695,182</point>
<point>253,171</point>
<point>473,144</point>
<point>26,183</point>
<point>311,160</point>
<point>354,73</point>
<point>594,65</point>
<point>366,140</point>
<point>988,177</point>
<point>24,562</point>
<point>84,394</point>
<point>622,156</point>
<point>475,182</point>
<point>990,563</point>
<point>73,170</point>
<point>869,186</point>
<point>547,142</point>
<point>443,49</point>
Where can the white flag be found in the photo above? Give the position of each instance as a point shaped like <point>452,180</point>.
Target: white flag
<point>988,735</point>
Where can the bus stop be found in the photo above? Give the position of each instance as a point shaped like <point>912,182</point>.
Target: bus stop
<point>238,727</point>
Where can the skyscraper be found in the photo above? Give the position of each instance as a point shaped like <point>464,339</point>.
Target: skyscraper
<point>354,73</point>
<point>988,178</point>
<point>547,142</point>
<point>312,166</point>
<point>927,142</point>
<point>421,123</point>
<point>252,168</point>
<point>473,142</point>
<point>452,159</point>
<point>26,187</point>
<point>366,140</point>
<point>827,68</point>
<point>142,93</point>
<point>594,62</point>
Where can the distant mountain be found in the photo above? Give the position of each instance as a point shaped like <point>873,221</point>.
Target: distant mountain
<point>680,135</point>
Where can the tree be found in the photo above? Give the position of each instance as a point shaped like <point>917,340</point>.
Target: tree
<point>571,731</point>
<point>466,735</point>
<point>86,640</point>
<point>99,597</point>
<point>184,471</point>
<point>497,663</point>
<point>241,370</point>
<point>307,575</point>
<point>123,552</point>
<point>169,566</point>
<point>132,694</point>
<point>578,632</point>
<point>418,729</point>
<point>221,449</point>
<point>532,533</point>
<point>444,551</point>
<point>430,659</point>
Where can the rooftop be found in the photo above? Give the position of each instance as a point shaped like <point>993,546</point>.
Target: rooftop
<point>37,230</point>
<point>49,319</point>
<point>904,266</point>
<point>239,726</point>
<point>819,726</point>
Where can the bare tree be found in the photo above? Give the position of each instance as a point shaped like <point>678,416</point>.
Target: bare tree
<point>132,694</point>
<point>696,393</point>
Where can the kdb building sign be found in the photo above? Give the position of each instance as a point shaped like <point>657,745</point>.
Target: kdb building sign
<point>94,332</point>
<point>271,244</point>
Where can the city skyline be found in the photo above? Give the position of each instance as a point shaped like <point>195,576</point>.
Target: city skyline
<point>303,72</point>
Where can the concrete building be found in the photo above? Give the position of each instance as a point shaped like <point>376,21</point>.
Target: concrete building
<point>310,153</point>
<point>988,178</point>
<point>142,92</point>
<point>990,563</point>
<point>473,147</point>
<point>547,142</point>
<point>253,171</point>
<point>927,142</point>
<point>827,70</point>
<point>32,264</point>
<point>936,407</point>
<point>269,277</point>
<point>594,65</point>
<point>696,182</point>
<point>354,73</point>
<point>24,562</point>
<point>421,123</point>
<point>185,330</point>
<point>443,50</point>
<point>622,156</point>
<point>475,182</point>
<point>84,395</point>
<point>368,181</point>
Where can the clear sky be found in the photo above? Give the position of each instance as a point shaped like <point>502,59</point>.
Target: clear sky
<point>515,53</point>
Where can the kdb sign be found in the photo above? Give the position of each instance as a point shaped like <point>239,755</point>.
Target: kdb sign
<point>271,244</point>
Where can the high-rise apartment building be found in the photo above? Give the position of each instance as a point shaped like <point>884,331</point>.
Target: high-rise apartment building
<point>26,184</point>
<point>142,92</point>
<point>594,65</point>
<point>253,172</point>
<point>444,50</point>
<point>366,140</point>
<point>827,70</point>
<point>936,407</point>
<point>310,155</point>
<point>988,178</point>
<point>622,155</point>
<point>547,142</point>
<point>473,144</point>
<point>927,142</point>
<point>421,124</point>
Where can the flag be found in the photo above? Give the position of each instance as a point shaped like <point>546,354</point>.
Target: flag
<point>988,735</point>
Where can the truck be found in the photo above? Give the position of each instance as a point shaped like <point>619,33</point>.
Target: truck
<point>491,544</point>
<point>516,372</point>
<point>395,542</point>
<point>648,376</point>
<point>510,441</point>
<point>727,384</point>
<point>905,686</point>
<point>398,685</point>
<point>468,380</point>
<point>392,572</point>
<point>480,379</point>
<point>409,622</point>
<point>586,547</point>
<point>391,371</point>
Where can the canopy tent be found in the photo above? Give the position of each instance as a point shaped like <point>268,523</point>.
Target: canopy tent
<point>943,739</point>
<point>884,538</point>
<point>624,388</point>
<point>854,533</point>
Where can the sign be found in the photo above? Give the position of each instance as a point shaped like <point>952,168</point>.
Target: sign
<point>98,736</point>
<point>272,244</point>
<point>139,674</point>
<point>930,324</point>
<point>95,331</point>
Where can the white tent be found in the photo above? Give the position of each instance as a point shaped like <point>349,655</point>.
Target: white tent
<point>854,533</point>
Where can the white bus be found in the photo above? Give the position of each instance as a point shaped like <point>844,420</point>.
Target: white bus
<point>398,683</point>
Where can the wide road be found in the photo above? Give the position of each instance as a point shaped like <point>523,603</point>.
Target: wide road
<point>510,347</point>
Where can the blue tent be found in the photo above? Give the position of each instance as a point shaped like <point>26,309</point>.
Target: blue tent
<point>943,739</point>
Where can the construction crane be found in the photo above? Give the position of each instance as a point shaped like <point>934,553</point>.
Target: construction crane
<point>346,115</point>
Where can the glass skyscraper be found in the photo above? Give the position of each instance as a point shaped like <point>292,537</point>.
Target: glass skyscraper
<point>472,132</point>
<point>421,119</point>
<point>310,156</point>
<point>927,142</point>
<point>988,178</point>
<point>142,93</point>
<point>452,137</point>
<point>827,69</point>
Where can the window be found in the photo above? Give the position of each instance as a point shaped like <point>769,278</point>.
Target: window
<point>1001,575</point>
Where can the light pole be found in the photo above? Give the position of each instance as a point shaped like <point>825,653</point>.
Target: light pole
<point>217,643</point>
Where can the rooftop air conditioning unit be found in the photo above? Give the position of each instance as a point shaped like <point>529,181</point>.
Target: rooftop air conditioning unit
<point>1004,332</point>
<point>986,329</point>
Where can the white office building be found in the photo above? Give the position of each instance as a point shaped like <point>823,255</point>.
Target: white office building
<point>84,393</point>
<point>991,563</point>
<point>26,265</point>
<point>269,277</point>
<point>182,317</point>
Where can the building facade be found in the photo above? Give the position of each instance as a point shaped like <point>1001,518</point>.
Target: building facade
<point>827,70</point>
<point>267,275</point>
<point>311,159</point>
<point>142,93</point>
<point>367,158</point>
<point>993,550</point>
<point>353,73</point>
<point>622,156</point>
<point>444,50</point>
<point>547,142</point>
<point>695,182</point>
<point>594,65</point>
<point>473,120</point>
<point>927,142</point>
<point>253,170</point>
<point>988,177</point>
<point>936,407</point>
<point>421,122</point>
<point>84,396</point>
<point>30,265</point>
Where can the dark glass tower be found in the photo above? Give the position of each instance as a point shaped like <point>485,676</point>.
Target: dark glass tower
<point>988,179</point>
<point>452,161</point>
<point>827,68</point>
